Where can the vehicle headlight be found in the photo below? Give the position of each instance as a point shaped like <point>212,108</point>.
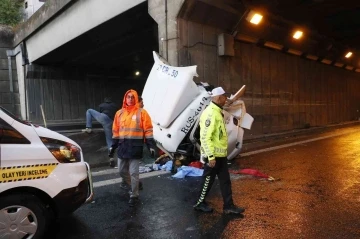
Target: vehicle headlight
<point>64,152</point>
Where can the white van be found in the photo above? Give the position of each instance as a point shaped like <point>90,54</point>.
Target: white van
<point>42,176</point>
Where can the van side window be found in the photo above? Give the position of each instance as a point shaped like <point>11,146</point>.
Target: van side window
<point>9,135</point>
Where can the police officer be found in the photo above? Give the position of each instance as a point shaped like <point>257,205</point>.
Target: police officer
<point>214,143</point>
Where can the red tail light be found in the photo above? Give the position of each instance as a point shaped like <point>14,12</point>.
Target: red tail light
<point>64,152</point>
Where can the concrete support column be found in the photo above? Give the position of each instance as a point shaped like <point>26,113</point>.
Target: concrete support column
<point>21,82</point>
<point>165,12</point>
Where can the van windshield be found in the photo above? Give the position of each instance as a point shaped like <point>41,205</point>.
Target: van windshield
<point>13,116</point>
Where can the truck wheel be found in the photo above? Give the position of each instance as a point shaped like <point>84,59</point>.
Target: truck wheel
<point>23,216</point>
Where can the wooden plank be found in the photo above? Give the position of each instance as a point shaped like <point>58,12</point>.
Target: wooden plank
<point>266,90</point>
<point>335,100</point>
<point>245,69</point>
<point>319,103</point>
<point>342,105</point>
<point>30,96</point>
<point>256,79</point>
<point>221,68</point>
<point>90,92</point>
<point>331,98</point>
<point>317,94</point>
<point>356,96</point>
<point>323,90</point>
<point>257,87</point>
<point>283,92</point>
<point>74,88</point>
<point>354,89</point>
<point>347,106</point>
<point>296,93</point>
<point>290,61</point>
<point>65,98</point>
<point>114,93</point>
<point>56,97</point>
<point>183,42</point>
<point>210,55</point>
<point>236,69</point>
<point>98,91</point>
<point>195,48</point>
<point>226,76</point>
<point>307,87</point>
<point>47,99</point>
<point>312,93</point>
<point>274,100</point>
<point>302,90</point>
<point>323,93</point>
<point>349,109</point>
<point>312,86</point>
<point>342,95</point>
<point>210,63</point>
<point>82,95</point>
<point>31,93</point>
<point>37,96</point>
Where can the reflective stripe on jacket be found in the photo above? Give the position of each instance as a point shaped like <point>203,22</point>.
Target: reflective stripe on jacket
<point>213,135</point>
<point>131,127</point>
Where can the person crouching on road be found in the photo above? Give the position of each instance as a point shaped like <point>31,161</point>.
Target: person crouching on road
<point>105,117</point>
<point>131,128</point>
<point>214,143</point>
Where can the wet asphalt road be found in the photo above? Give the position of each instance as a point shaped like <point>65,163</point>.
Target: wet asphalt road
<point>316,194</point>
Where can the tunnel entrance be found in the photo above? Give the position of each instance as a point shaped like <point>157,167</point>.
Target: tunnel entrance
<point>103,62</point>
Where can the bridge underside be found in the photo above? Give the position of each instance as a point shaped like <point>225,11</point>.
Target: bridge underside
<point>122,44</point>
<point>99,63</point>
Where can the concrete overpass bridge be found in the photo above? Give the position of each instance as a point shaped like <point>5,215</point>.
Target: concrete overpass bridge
<point>72,53</point>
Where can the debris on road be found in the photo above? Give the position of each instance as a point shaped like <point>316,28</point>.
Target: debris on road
<point>253,172</point>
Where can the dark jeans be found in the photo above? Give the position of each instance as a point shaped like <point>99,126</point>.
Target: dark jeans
<point>221,170</point>
<point>104,120</point>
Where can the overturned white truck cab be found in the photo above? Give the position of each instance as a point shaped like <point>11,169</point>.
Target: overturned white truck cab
<point>175,102</point>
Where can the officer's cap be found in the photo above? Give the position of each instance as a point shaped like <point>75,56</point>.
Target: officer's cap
<point>217,91</point>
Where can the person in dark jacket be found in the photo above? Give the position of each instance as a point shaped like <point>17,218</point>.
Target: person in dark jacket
<point>105,117</point>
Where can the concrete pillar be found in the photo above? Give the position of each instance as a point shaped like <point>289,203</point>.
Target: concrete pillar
<point>165,12</point>
<point>21,82</point>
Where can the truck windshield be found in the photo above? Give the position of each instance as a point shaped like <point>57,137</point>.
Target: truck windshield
<point>13,116</point>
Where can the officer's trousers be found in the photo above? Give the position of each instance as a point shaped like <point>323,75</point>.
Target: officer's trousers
<point>221,170</point>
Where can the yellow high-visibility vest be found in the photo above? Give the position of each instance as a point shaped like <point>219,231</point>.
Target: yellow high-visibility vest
<point>213,135</point>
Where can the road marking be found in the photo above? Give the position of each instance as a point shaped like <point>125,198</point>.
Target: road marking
<point>119,180</point>
<point>105,172</point>
<point>290,144</point>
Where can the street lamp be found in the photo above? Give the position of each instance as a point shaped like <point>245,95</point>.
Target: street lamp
<point>254,17</point>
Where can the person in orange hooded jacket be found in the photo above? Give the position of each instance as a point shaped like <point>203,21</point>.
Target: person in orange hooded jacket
<point>132,128</point>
